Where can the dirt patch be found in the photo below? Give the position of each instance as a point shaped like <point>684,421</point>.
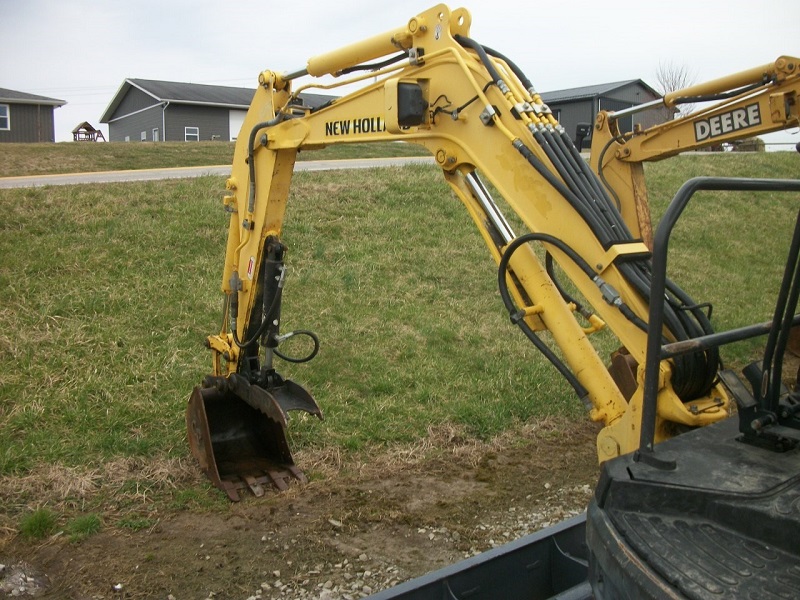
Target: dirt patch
<point>344,535</point>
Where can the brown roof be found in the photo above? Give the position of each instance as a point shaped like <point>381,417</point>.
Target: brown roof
<point>85,126</point>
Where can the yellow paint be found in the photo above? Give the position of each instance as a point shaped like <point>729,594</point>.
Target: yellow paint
<point>462,144</point>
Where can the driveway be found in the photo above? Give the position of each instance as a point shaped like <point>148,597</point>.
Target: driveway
<point>184,172</point>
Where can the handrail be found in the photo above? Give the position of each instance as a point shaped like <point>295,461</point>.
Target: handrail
<point>655,351</point>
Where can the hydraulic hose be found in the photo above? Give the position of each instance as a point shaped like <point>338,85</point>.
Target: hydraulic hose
<point>557,157</point>
<point>549,266</point>
<point>721,96</point>
<point>563,139</point>
<point>251,164</point>
<point>479,50</point>
<point>262,327</point>
<point>581,188</point>
<point>375,66</point>
<point>518,319</point>
<point>251,202</point>
<point>518,316</point>
<point>579,204</point>
<point>511,65</point>
<point>291,334</point>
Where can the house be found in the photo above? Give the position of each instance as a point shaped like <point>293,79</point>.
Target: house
<point>27,117</point>
<point>153,111</point>
<point>150,110</point>
<point>581,105</point>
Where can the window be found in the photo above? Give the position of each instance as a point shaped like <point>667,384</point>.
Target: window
<point>144,136</point>
<point>5,117</point>
<point>155,134</point>
<point>191,134</point>
<point>127,138</point>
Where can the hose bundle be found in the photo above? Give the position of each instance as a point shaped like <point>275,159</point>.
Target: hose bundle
<point>569,174</point>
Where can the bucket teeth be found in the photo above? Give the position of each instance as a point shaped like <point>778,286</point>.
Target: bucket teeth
<point>254,486</point>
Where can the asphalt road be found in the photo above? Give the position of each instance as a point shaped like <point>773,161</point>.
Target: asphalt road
<point>184,172</point>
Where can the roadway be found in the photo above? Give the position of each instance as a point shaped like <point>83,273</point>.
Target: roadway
<point>187,172</point>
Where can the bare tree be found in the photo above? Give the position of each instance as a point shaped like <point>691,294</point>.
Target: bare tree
<point>671,77</point>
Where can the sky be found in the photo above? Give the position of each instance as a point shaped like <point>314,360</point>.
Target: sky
<point>81,51</point>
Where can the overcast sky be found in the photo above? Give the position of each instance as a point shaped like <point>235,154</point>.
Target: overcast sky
<point>82,50</point>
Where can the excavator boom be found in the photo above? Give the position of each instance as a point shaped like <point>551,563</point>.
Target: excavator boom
<point>753,102</point>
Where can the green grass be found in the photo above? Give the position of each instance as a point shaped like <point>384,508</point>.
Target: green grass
<point>43,522</point>
<point>39,524</point>
<point>105,314</point>
<point>107,293</point>
<point>71,157</point>
<point>729,247</point>
<point>136,523</point>
<point>102,314</point>
<point>83,526</point>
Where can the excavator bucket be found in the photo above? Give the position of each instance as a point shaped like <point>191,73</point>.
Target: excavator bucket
<point>238,434</point>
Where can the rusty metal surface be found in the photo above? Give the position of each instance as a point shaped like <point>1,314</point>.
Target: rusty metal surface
<point>238,446</point>
<point>623,371</point>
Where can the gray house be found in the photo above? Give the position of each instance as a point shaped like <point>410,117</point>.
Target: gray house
<point>154,111</point>
<point>27,117</point>
<point>581,105</point>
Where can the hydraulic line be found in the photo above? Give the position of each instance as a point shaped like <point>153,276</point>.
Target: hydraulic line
<point>695,373</point>
<point>722,96</point>
<point>692,376</point>
<point>582,206</point>
<point>375,66</point>
<point>603,218</point>
<point>526,83</point>
<point>517,317</point>
<point>695,376</point>
<point>561,138</point>
<point>481,52</point>
<point>251,202</point>
<point>582,166</point>
<point>251,142</point>
<point>568,160</point>
<point>600,166</point>
<point>557,157</point>
<point>292,359</point>
<point>574,199</point>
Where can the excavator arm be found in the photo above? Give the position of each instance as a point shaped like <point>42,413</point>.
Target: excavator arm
<point>754,102</point>
<point>490,134</point>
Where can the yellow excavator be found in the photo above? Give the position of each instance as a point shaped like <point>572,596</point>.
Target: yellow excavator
<point>489,131</point>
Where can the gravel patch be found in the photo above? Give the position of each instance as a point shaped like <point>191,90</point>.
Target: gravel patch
<point>21,580</point>
<point>366,575</point>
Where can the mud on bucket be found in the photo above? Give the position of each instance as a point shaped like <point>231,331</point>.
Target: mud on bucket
<point>239,446</point>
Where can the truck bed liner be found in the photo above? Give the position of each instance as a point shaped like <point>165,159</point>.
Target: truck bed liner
<point>548,564</point>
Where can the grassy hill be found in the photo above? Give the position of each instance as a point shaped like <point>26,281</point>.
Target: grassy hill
<point>107,293</point>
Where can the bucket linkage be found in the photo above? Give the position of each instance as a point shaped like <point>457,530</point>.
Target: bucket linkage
<point>236,423</point>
